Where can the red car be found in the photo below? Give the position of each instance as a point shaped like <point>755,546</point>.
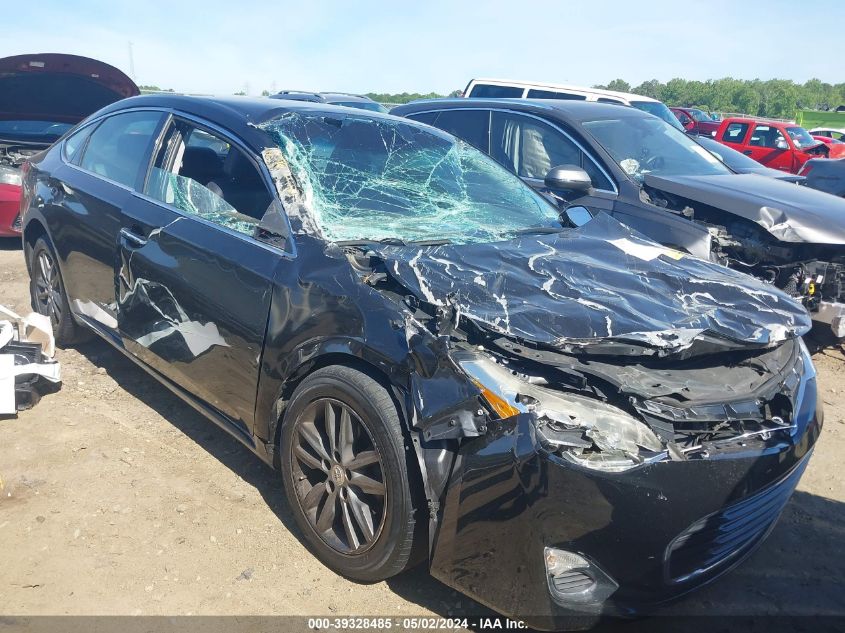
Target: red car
<point>696,121</point>
<point>42,96</point>
<point>775,144</point>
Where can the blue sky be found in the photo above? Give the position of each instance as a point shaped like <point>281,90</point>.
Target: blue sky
<point>222,46</point>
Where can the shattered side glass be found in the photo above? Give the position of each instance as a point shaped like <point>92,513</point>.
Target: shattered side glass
<point>193,198</point>
<point>355,178</point>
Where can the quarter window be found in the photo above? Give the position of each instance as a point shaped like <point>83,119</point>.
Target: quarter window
<point>75,142</point>
<point>119,149</point>
<point>735,132</point>
<point>204,175</point>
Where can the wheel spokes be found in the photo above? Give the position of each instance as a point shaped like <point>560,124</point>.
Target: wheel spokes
<point>311,435</point>
<point>309,460</point>
<point>362,514</point>
<point>339,477</point>
<point>367,484</point>
<point>364,458</point>
<point>325,520</point>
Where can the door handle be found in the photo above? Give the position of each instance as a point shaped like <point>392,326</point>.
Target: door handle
<point>133,238</point>
<point>748,152</point>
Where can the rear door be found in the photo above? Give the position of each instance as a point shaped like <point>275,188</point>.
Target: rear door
<point>734,135</point>
<point>103,164</point>
<point>193,282</point>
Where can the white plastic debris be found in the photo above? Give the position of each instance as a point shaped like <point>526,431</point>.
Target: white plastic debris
<point>22,366</point>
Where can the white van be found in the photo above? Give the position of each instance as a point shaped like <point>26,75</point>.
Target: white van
<point>508,89</point>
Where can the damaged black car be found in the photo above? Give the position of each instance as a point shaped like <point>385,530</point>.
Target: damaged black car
<point>640,170</point>
<point>559,420</point>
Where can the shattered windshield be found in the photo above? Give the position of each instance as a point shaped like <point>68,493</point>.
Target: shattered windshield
<point>359,178</point>
<point>648,146</point>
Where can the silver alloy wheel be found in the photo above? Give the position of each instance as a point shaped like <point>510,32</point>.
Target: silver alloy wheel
<point>338,476</point>
<point>47,287</point>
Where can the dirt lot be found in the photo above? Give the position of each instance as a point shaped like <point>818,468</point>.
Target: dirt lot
<point>120,499</point>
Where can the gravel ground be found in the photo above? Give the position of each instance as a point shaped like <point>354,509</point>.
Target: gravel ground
<point>119,499</point>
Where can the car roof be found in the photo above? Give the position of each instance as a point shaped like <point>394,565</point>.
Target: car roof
<point>242,115</point>
<point>569,111</point>
<point>628,96</point>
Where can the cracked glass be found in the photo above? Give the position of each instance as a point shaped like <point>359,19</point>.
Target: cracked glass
<point>365,179</point>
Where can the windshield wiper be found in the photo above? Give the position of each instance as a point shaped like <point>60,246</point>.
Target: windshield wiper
<point>538,230</point>
<point>394,241</point>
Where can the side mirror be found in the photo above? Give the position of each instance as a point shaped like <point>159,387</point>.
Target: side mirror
<point>578,216</point>
<point>781,144</point>
<point>568,178</point>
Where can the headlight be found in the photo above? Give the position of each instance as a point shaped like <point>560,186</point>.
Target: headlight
<point>585,430</point>
<point>10,176</point>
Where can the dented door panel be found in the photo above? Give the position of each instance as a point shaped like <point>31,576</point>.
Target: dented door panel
<point>192,302</point>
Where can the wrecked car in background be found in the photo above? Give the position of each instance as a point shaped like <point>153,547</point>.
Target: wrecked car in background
<point>664,184</point>
<point>436,365</point>
<point>27,368</point>
<point>42,96</point>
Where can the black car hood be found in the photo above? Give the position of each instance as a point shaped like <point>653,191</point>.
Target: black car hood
<point>789,213</point>
<point>58,87</point>
<point>596,284</point>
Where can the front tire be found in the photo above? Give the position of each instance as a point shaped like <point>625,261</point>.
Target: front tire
<point>345,474</point>
<point>48,296</point>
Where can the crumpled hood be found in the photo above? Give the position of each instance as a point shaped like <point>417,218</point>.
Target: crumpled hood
<point>789,213</point>
<point>598,282</point>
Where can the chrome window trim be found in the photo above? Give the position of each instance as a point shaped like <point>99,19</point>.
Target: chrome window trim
<point>614,191</point>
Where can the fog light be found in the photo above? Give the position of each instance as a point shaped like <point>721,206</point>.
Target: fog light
<point>575,581</point>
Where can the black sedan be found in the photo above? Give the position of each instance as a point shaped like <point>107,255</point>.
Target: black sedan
<point>634,166</point>
<point>560,420</point>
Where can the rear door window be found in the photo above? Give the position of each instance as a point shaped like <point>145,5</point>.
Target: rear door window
<point>495,92</point>
<point>471,126</point>
<point>735,132</point>
<point>119,149</point>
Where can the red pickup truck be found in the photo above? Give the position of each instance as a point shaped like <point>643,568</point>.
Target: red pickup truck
<point>775,144</point>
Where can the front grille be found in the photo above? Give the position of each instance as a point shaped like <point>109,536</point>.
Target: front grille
<point>16,223</point>
<point>573,581</point>
<point>726,535</point>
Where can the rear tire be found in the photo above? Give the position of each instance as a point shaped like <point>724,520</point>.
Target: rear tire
<point>47,294</point>
<point>346,476</point>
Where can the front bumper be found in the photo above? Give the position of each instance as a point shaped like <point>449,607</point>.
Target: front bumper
<point>509,499</point>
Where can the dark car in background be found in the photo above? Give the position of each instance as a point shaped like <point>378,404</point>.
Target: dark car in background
<point>41,97</point>
<point>660,181</point>
<point>437,366</point>
<point>332,98</point>
<point>825,174</point>
<point>696,121</point>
